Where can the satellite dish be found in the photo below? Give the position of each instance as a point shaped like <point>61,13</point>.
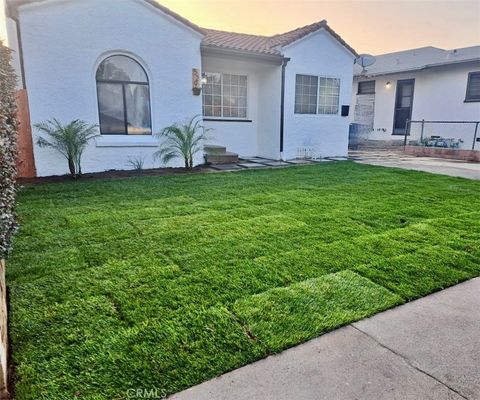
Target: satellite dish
<point>365,60</point>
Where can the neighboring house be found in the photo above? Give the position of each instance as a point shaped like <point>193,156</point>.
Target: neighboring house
<point>130,66</point>
<point>419,84</point>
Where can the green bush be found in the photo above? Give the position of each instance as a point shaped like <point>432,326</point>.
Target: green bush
<point>69,140</point>
<point>183,141</point>
<point>8,150</point>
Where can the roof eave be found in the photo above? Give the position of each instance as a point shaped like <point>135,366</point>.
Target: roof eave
<point>332,33</point>
<point>366,74</point>
<point>252,55</point>
<point>13,7</point>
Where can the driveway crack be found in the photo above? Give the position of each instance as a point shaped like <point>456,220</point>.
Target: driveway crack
<point>407,360</point>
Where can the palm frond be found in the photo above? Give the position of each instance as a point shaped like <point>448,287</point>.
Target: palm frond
<point>70,140</point>
<point>181,141</point>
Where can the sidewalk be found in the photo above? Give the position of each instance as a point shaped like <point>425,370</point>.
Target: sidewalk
<point>396,158</point>
<point>426,349</point>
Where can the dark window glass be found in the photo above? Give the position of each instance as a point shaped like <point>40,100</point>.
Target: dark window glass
<point>473,87</point>
<point>123,97</point>
<point>138,109</point>
<point>110,105</point>
<point>367,87</point>
<point>121,68</point>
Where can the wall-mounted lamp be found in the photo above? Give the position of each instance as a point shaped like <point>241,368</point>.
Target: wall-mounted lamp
<point>196,82</point>
<point>204,79</point>
<point>388,84</point>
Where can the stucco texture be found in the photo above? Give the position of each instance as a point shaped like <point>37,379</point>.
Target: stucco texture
<point>61,62</point>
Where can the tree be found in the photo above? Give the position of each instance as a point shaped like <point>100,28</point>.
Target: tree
<point>8,150</point>
<point>69,140</point>
<point>182,141</point>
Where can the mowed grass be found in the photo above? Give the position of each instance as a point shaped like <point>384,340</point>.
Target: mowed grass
<point>164,282</point>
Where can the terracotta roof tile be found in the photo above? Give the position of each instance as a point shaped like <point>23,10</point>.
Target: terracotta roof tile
<point>266,44</point>
<point>239,41</point>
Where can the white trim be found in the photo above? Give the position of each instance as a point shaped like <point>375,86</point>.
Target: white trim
<point>318,31</point>
<point>366,75</point>
<point>173,19</point>
<point>126,141</point>
<point>316,114</point>
<point>42,3</point>
<point>221,73</point>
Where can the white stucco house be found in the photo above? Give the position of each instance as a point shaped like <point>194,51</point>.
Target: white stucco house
<point>428,83</point>
<point>134,67</point>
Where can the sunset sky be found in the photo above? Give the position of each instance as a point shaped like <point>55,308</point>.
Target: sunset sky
<point>374,27</point>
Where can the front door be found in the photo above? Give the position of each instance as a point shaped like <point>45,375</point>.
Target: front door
<point>403,105</point>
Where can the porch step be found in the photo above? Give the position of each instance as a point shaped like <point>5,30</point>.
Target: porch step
<point>213,149</point>
<point>219,155</point>
<point>226,157</point>
<point>376,144</point>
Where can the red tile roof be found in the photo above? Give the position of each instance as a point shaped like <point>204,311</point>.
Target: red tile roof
<point>266,44</point>
<point>239,41</point>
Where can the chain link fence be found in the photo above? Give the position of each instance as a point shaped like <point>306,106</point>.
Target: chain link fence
<point>462,135</point>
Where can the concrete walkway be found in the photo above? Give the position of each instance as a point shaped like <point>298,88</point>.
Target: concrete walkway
<point>426,349</point>
<point>398,159</point>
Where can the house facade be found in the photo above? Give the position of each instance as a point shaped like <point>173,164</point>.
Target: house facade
<point>428,84</point>
<point>134,67</point>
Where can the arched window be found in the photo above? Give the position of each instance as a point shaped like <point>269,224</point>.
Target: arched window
<point>123,97</point>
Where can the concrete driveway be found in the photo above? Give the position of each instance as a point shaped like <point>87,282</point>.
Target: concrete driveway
<point>426,349</point>
<point>398,159</point>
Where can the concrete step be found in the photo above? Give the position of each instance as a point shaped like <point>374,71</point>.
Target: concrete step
<point>214,149</point>
<point>377,144</point>
<point>226,157</point>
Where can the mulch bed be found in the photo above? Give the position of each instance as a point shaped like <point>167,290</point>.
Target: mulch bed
<point>113,174</point>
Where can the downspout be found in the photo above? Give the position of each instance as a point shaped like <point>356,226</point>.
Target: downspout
<point>282,105</point>
<point>20,51</point>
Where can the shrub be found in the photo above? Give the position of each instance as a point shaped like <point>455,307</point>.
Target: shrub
<point>69,140</point>
<point>137,162</point>
<point>182,141</point>
<point>8,150</point>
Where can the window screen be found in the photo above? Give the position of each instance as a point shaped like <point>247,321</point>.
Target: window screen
<point>366,87</point>
<point>473,87</point>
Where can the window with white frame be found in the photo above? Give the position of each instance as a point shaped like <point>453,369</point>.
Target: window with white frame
<point>306,89</point>
<point>316,94</point>
<point>225,96</point>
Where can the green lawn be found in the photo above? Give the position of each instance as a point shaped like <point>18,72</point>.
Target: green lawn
<point>164,282</point>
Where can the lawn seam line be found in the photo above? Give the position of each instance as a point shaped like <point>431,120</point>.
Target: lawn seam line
<point>407,360</point>
<point>247,330</point>
<point>117,308</point>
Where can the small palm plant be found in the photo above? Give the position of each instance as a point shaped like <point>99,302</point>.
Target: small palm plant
<point>181,141</point>
<point>70,140</point>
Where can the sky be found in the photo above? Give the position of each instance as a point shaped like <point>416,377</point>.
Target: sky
<point>369,26</point>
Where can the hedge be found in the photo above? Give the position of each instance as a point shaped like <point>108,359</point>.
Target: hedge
<point>8,150</point>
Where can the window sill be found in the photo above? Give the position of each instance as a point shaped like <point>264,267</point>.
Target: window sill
<point>316,115</point>
<point>126,141</point>
<point>226,120</point>
<point>471,101</point>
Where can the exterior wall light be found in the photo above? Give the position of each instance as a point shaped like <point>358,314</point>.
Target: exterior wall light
<point>196,82</point>
<point>388,84</point>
